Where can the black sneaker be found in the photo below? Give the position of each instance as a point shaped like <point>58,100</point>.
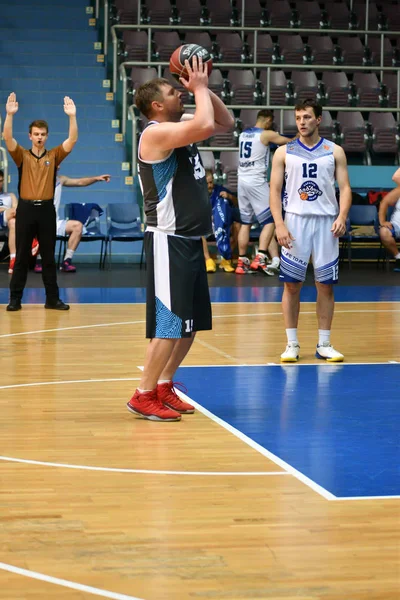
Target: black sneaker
<point>14,305</point>
<point>59,305</point>
<point>397,265</point>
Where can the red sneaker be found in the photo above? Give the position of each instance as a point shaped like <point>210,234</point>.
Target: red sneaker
<point>35,247</point>
<point>243,266</point>
<point>67,267</point>
<point>11,266</point>
<point>258,262</point>
<point>168,396</point>
<point>147,405</point>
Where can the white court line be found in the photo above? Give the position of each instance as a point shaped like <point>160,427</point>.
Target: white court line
<point>38,383</point>
<point>236,315</point>
<point>213,348</point>
<point>366,498</point>
<point>142,471</point>
<point>68,584</point>
<point>291,365</point>
<point>278,461</point>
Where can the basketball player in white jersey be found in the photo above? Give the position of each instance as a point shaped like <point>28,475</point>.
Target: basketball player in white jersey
<point>314,221</point>
<point>390,230</point>
<point>8,207</point>
<point>74,229</point>
<point>253,192</point>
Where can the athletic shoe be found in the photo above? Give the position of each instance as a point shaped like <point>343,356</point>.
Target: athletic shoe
<point>243,266</point>
<point>397,265</point>
<point>291,353</point>
<point>258,262</point>
<point>226,265</point>
<point>147,405</point>
<point>11,266</point>
<point>67,267</point>
<point>274,265</point>
<point>211,267</point>
<point>38,267</point>
<point>327,352</point>
<point>168,396</point>
<point>35,247</point>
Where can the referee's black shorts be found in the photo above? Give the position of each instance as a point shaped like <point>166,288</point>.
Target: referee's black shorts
<point>178,299</point>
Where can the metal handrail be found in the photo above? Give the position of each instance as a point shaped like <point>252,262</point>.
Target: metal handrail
<point>289,67</point>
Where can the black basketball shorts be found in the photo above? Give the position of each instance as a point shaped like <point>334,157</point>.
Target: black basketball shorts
<point>178,299</point>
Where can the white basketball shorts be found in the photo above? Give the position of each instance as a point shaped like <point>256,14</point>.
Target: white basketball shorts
<point>254,203</point>
<point>313,237</point>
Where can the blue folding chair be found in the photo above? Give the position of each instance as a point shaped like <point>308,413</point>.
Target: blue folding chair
<point>359,215</point>
<point>123,225</point>
<point>93,231</point>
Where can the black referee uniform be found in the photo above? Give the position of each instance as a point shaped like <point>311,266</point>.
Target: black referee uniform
<point>36,217</point>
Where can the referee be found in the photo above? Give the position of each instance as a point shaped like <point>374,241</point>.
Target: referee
<point>36,215</point>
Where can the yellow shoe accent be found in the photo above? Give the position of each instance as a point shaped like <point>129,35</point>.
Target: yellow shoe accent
<point>211,267</point>
<point>226,265</point>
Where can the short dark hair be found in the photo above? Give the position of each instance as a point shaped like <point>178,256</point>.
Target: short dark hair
<point>148,92</point>
<point>1,173</point>
<point>265,113</point>
<point>40,124</point>
<point>310,103</point>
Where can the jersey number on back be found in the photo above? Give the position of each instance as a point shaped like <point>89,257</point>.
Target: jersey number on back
<point>310,170</point>
<point>245,149</point>
<point>198,169</point>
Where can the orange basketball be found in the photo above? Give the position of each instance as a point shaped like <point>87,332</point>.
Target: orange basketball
<point>304,196</point>
<point>186,52</point>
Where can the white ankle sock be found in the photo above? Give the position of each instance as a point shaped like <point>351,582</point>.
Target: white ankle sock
<point>397,257</point>
<point>143,391</point>
<point>324,335</point>
<point>292,335</point>
<point>69,254</point>
<point>12,255</point>
<point>164,381</point>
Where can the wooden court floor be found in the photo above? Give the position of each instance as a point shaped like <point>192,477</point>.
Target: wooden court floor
<point>177,511</point>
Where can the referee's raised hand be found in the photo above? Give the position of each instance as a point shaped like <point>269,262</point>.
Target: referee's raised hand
<point>12,104</point>
<point>69,106</point>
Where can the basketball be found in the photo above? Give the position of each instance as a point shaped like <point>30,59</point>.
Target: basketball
<point>186,52</point>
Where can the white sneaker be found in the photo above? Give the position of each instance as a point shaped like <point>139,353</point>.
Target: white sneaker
<point>291,353</point>
<point>327,352</point>
<point>274,265</point>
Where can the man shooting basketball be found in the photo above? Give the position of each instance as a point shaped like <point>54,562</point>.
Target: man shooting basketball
<point>178,213</point>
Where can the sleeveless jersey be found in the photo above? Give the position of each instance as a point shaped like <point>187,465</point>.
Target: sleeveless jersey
<point>309,186</point>
<point>175,194</point>
<point>5,200</point>
<point>395,217</point>
<point>253,157</point>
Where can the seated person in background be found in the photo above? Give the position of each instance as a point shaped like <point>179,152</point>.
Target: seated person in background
<point>226,223</point>
<point>69,226</point>
<point>390,230</point>
<point>8,206</point>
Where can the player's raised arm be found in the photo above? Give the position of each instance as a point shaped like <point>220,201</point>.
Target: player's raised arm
<point>70,110</point>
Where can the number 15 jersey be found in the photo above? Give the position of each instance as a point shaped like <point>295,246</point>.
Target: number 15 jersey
<point>309,187</point>
<point>253,157</point>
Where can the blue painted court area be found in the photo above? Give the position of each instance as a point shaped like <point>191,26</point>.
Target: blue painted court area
<point>336,424</point>
<point>133,295</point>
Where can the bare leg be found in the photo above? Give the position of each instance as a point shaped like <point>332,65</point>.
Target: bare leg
<point>158,354</point>
<point>266,235</point>
<point>388,240</point>
<point>325,305</point>
<point>273,248</point>
<point>179,352</point>
<point>74,230</point>
<point>291,304</point>
<point>11,236</point>
<point>243,239</point>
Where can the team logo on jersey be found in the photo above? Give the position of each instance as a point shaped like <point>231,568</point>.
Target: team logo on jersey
<point>309,191</point>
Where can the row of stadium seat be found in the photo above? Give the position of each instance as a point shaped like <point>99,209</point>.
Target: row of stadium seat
<point>285,48</point>
<point>333,88</point>
<point>270,13</point>
<point>377,136</point>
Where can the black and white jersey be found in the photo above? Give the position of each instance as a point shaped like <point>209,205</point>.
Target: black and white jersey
<point>175,193</point>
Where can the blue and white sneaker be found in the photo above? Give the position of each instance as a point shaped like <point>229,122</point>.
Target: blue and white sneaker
<point>327,352</point>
